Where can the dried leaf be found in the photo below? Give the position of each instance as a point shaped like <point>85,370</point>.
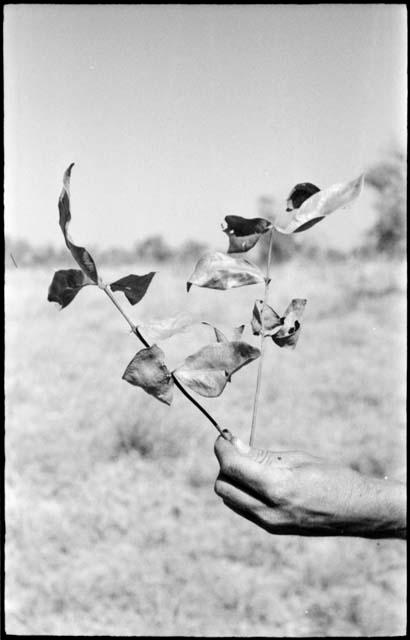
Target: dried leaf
<point>134,287</point>
<point>288,333</point>
<point>244,233</point>
<point>65,285</point>
<point>80,255</point>
<point>318,206</point>
<point>148,370</point>
<point>208,370</point>
<point>163,328</point>
<point>271,320</point>
<point>222,271</point>
<point>299,194</point>
<point>205,382</point>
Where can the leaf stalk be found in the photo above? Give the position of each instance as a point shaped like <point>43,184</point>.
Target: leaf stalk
<point>262,345</point>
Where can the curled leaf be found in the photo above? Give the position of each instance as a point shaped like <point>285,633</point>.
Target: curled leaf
<point>222,271</point>
<point>288,334</point>
<point>167,327</point>
<point>317,206</point>
<point>208,370</point>
<point>80,255</point>
<point>134,287</point>
<point>285,330</point>
<point>244,233</point>
<point>271,320</point>
<point>148,370</point>
<point>299,194</point>
<point>65,285</point>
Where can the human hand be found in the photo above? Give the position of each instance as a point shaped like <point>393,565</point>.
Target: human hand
<point>295,493</point>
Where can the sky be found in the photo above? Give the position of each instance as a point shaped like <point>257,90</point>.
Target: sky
<point>177,115</point>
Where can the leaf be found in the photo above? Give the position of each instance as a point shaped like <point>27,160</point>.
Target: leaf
<point>80,255</point>
<point>134,287</point>
<point>148,370</point>
<point>289,331</point>
<point>163,328</point>
<point>221,271</point>
<point>299,194</point>
<point>271,320</point>
<point>220,337</point>
<point>208,370</point>
<point>65,285</point>
<point>318,206</point>
<point>244,233</point>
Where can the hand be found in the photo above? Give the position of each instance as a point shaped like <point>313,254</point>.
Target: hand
<point>295,493</point>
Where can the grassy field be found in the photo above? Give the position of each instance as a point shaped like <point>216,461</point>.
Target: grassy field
<point>113,526</point>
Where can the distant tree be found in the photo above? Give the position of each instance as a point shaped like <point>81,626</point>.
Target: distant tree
<point>154,248</point>
<point>191,251</point>
<point>388,178</point>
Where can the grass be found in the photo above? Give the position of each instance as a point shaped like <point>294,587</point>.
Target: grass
<point>112,523</point>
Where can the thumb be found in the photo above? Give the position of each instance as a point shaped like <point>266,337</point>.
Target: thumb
<point>228,445</point>
<point>241,464</point>
<point>263,456</point>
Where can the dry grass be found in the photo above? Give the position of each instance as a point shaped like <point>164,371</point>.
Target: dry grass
<point>112,523</point>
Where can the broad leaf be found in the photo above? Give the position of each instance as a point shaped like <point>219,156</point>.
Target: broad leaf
<point>208,370</point>
<point>134,287</point>
<point>148,370</point>
<point>222,271</point>
<point>299,194</point>
<point>318,206</point>
<point>163,328</point>
<point>80,255</point>
<point>65,285</point>
<point>244,233</point>
<point>271,320</point>
<point>206,382</point>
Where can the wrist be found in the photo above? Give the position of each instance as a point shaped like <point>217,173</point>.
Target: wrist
<point>377,509</point>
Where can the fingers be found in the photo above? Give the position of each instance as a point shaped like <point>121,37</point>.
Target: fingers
<point>270,518</point>
<point>236,496</point>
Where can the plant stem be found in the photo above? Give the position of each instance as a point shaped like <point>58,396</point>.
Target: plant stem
<point>259,374</point>
<point>146,344</point>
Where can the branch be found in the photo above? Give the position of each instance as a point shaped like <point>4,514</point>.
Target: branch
<point>146,344</point>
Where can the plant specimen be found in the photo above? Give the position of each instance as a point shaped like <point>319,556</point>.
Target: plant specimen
<point>207,371</point>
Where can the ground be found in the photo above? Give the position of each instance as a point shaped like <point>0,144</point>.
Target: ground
<point>113,526</point>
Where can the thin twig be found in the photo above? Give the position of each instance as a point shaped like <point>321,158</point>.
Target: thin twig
<point>146,344</point>
<point>259,374</point>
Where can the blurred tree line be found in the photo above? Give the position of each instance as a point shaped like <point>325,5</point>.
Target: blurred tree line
<point>386,177</point>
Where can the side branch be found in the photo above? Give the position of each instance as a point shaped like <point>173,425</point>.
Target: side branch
<point>146,344</point>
